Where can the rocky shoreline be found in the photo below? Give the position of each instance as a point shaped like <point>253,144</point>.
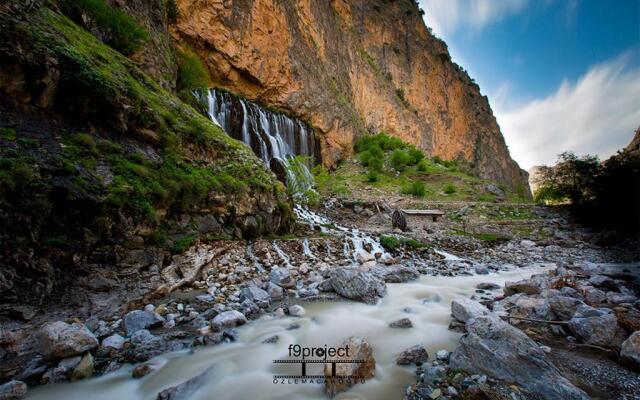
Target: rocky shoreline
<point>206,293</point>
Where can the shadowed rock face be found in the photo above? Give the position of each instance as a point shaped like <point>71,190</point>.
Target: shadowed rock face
<point>348,67</point>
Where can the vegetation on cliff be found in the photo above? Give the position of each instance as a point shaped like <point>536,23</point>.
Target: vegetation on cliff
<point>389,166</point>
<point>95,154</point>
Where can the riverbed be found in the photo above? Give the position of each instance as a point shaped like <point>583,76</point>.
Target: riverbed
<point>245,370</point>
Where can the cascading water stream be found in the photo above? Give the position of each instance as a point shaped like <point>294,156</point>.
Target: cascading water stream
<point>276,138</point>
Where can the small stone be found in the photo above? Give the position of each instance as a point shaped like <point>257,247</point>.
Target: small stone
<point>271,339</point>
<point>413,355</point>
<point>488,286</point>
<point>84,369</point>
<point>435,394</point>
<point>142,370</point>
<point>150,308</point>
<point>296,310</point>
<point>442,355</point>
<point>401,323</point>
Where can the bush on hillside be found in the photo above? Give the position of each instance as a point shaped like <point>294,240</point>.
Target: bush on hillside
<point>415,188</point>
<point>120,30</point>
<point>192,74</point>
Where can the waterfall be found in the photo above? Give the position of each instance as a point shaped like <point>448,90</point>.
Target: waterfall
<point>274,137</point>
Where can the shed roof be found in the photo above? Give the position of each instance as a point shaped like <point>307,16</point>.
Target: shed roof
<point>423,212</point>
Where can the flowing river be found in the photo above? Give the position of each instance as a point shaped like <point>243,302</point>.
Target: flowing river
<point>244,369</point>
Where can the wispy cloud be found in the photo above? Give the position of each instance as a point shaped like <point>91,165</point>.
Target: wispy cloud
<point>446,16</point>
<point>595,115</point>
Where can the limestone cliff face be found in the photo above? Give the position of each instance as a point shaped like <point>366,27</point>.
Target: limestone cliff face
<point>348,67</point>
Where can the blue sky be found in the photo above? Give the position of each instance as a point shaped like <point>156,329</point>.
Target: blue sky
<point>560,74</point>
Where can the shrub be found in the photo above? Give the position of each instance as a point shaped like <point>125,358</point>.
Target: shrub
<point>373,176</point>
<point>399,159</point>
<point>414,188</point>
<point>183,244</point>
<point>192,74</point>
<point>391,243</point>
<point>449,189</point>
<point>415,156</point>
<point>122,32</point>
<point>382,140</point>
<point>422,166</point>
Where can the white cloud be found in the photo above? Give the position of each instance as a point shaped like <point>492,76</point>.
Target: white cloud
<point>446,16</point>
<point>596,115</point>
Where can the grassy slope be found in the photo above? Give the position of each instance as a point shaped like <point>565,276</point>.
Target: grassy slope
<point>350,178</point>
<point>98,84</point>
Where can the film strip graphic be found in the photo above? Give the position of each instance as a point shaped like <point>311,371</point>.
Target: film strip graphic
<point>303,373</point>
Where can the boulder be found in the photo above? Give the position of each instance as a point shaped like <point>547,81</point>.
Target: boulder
<point>488,286</point>
<point>526,286</point>
<point>564,307</point>
<point>464,309</point>
<point>59,340</point>
<point>84,369</point>
<point>494,348</point>
<point>255,294</point>
<point>532,307</point>
<point>282,277</point>
<point>186,389</point>
<point>114,341</point>
<point>357,285</point>
<point>13,390</point>
<point>401,323</point>
<point>413,355</point>
<point>140,319</point>
<point>275,292</point>
<point>394,273</point>
<point>296,310</point>
<point>348,374</point>
<point>595,326</point>
<point>364,256</point>
<point>630,349</point>
<point>228,319</point>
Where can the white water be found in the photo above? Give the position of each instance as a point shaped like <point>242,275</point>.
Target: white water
<point>270,135</point>
<point>244,369</point>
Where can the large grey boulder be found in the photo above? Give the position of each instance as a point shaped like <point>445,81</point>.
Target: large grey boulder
<point>394,273</point>
<point>494,348</point>
<point>139,319</point>
<point>255,294</point>
<point>59,340</point>
<point>531,307</point>
<point>630,349</point>
<point>228,319</point>
<point>357,285</point>
<point>282,277</point>
<point>595,326</point>
<point>464,309</point>
<point>13,390</point>
<point>530,286</point>
<point>564,307</point>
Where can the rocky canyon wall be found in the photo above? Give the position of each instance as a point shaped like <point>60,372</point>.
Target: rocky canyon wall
<point>349,67</point>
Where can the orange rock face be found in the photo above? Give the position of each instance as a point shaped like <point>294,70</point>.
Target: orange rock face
<point>349,67</point>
